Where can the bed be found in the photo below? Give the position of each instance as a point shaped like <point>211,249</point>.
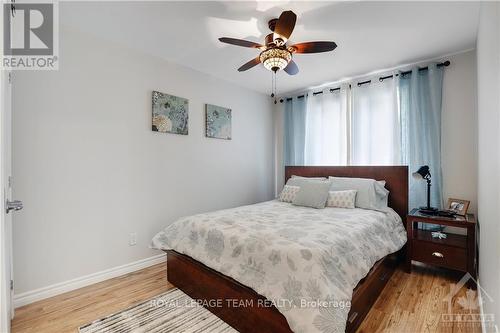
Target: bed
<point>261,267</point>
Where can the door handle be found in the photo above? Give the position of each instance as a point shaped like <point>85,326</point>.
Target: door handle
<point>13,205</point>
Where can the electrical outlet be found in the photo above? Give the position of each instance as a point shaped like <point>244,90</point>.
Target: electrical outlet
<point>132,239</point>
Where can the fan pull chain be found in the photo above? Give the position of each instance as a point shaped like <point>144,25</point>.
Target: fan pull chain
<point>272,84</point>
<point>273,87</point>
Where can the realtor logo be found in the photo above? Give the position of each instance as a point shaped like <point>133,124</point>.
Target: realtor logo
<point>469,315</point>
<point>30,34</point>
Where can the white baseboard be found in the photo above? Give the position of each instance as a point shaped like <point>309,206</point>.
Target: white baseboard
<point>62,287</point>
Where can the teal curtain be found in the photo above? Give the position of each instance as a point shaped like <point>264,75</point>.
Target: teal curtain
<point>295,131</point>
<point>420,110</point>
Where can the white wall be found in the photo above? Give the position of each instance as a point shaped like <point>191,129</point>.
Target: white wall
<point>459,139</point>
<point>90,170</point>
<point>458,129</point>
<point>488,80</point>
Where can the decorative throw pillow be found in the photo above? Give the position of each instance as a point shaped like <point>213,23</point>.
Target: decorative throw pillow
<point>312,194</point>
<point>288,194</point>
<point>341,199</point>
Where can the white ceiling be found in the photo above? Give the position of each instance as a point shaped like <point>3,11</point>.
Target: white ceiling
<point>370,35</point>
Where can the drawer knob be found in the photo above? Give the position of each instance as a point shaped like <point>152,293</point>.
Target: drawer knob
<point>437,254</point>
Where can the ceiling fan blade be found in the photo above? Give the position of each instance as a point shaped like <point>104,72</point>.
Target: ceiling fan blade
<point>314,47</point>
<point>285,24</point>
<point>240,42</point>
<point>291,68</point>
<point>250,64</point>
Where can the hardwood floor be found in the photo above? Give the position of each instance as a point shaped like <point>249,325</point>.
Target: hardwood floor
<point>415,302</point>
<point>67,312</point>
<point>409,303</point>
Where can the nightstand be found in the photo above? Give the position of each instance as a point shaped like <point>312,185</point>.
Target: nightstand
<point>456,252</point>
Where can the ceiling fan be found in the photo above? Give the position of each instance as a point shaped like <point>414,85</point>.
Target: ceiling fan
<point>276,55</point>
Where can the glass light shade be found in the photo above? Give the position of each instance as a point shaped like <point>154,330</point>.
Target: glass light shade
<point>275,59</point>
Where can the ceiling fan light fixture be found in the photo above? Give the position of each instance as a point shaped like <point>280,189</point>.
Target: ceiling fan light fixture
<point>275,53</point>
<point>275,59</point>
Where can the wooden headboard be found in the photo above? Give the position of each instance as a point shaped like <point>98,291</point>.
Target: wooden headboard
<point>396,178</point>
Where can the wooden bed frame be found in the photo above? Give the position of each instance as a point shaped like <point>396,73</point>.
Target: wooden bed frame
<point>219,292</point>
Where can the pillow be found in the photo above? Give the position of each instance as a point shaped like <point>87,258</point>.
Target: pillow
<point>312,194</point>
<point>298,180</point>
<point>288,193</point>
<point>310,178</point>
<point>371,193</point>
<point>383,192</point>
<point>341,199</point>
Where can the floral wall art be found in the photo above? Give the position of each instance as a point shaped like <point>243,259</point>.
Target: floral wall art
<point>170,113</point>
<point>218,122</point>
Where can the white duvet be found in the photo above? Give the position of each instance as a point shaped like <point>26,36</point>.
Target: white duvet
<point>306,261</point>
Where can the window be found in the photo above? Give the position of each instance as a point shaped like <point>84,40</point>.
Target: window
<point>346,126</point>
<point>326,127</point>
<point>375,124</point>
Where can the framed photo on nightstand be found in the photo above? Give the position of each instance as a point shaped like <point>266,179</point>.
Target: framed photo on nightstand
<point>459,206</point>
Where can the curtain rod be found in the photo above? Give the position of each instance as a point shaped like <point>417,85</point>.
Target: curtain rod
<point>441,64</point>
<point>314,94</point>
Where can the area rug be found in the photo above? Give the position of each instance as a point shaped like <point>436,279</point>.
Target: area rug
<point>173,311</point>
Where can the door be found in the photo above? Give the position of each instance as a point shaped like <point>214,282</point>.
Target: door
<point>7,310</point>
<point>7,206</point>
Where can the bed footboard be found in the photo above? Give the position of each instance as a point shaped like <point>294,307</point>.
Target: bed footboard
<point>236,304</point>
<point>245,310</point>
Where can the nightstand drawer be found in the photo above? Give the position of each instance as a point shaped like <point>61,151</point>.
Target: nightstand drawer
<point>438,254</point>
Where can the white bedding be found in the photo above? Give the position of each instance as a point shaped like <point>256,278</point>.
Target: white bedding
<point>294,256</point>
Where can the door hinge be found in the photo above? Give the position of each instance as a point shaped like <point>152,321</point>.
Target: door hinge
<point>9,182</point>
<point>10,77</point>
<point>11,284</point>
